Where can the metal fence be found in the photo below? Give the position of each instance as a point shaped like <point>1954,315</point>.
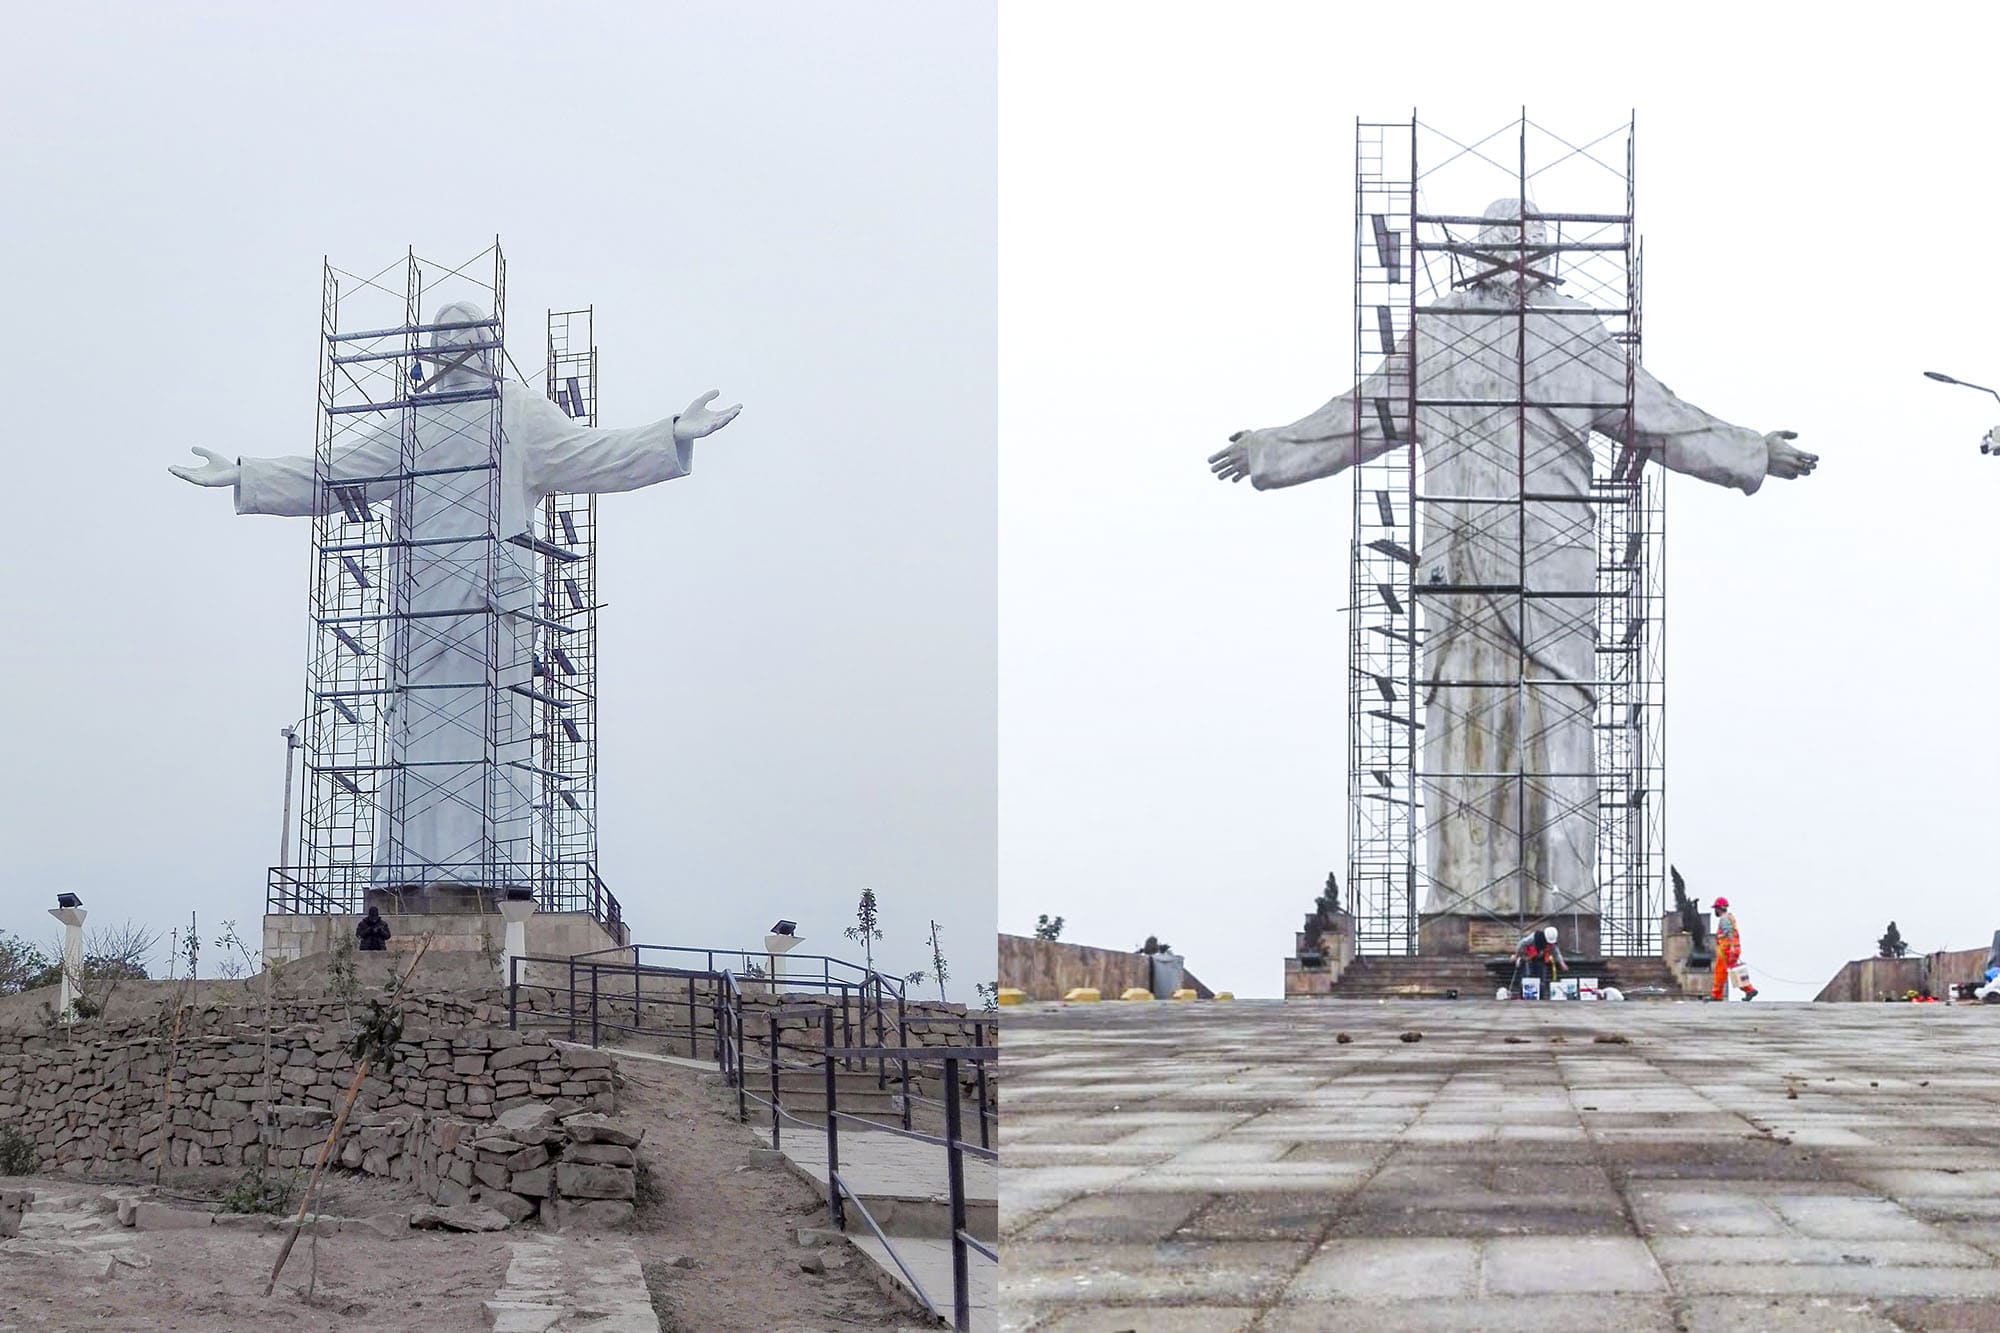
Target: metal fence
<point>604,994</point>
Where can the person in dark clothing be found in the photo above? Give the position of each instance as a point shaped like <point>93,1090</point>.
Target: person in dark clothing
<point>372,932</point>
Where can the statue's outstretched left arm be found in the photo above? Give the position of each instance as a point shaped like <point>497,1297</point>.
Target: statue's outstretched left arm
<point>564,455</point>
<point>1686,439</point>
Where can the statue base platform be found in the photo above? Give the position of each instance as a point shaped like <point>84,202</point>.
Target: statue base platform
<point>1464,935</point>
<point>289,936</point>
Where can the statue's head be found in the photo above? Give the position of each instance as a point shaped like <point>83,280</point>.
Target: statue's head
<point>1506,235</point>
<point>443,341</point>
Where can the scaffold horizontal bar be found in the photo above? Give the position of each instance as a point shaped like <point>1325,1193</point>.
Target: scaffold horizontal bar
<point>408,615</point>
<point>539,697</point>
<point>413,474</point>
<point>1558,405</point>
<point>401,353</point>
<point>366,334</point>
<point>341,548</point>
<point>1507,589</point>
<point>1539,249</point>
<point>1466,220</point>
<point>540,547</point>
<point>428,400</point>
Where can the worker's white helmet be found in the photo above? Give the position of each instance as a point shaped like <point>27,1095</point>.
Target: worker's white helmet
<point>1549,934</point>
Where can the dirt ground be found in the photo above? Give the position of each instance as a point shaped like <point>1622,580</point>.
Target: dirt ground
<point>732,1227</point>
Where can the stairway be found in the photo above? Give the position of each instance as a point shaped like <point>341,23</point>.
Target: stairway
<point>1430,978</point>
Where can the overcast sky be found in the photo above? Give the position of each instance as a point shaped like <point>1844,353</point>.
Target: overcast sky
<point>1176,215</point>
<point>794,203</point>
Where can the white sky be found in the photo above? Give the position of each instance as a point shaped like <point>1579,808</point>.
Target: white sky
<point>1176,214</point>
<point>794,203</point>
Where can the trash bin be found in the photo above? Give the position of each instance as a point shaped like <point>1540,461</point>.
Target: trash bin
<point>1167,970</point>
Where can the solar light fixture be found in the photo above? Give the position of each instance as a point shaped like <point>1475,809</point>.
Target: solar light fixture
<point>1987,445</point>
<point>68,900</point>
<point>785,928</point>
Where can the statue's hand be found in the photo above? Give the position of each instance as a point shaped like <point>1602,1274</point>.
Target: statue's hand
<point>217,471</point>
<point>1787,460</point>
<point>1233,463</point>
<point>698,420</point>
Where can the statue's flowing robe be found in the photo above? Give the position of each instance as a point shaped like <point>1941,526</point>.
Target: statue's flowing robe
<point>1508,776</point>
<point>460,800</point>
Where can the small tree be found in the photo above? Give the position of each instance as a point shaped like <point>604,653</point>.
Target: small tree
<point>989,995</point>
<point>867,927</point>
<point>1154,945</point>
<point>1891,945</point>
<point>25,966</point>
<point>1048,927</point>
<point>938,968</point>
<point>1329,901</point>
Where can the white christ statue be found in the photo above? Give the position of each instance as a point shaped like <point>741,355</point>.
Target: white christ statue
<point>1505,505</point>
<point>460,744</point>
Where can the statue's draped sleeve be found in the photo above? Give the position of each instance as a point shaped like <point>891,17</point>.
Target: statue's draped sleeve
<point>564,455</point>
<point>1329,440</point>
<point>286,486</point>
<point>1689,440</point>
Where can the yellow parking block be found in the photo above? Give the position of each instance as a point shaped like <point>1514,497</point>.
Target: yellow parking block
<point>1185,993</point>
<point>1225,995</point>
<point>1008,995</point>
<point>1137,993</point>
<point>1083,994</point>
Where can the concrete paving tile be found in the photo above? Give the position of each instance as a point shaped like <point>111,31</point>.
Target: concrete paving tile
<point>1138,1318</point>
<point>1830,1280</point>
<point>1693,1250</point>
<point>1044,1273</point>
<point>1118,1217</point>
<point>1734,1314</point>
<point>1266,1215</point>
<point>1534,1265</point>
<point>1610,1314</point>
<point>1851,1218</point>
<point>1373,1271</point>
<point>1705,1213</point>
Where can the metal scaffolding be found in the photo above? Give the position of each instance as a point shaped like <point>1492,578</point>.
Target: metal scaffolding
<point>566,662</point>
<point>449,737</point>
<point>1464,591</point>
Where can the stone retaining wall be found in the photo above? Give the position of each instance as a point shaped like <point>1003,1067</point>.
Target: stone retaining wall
<point>91,1098</point>
<point>571,1171</point>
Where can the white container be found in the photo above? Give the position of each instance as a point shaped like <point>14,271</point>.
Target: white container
<point>1586,988</point>
<point>1531,988</point>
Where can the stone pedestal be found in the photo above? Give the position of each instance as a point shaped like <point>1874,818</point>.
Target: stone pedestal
<point>1456,934</point>
<point>1320,955</point>
<point>288,935</point>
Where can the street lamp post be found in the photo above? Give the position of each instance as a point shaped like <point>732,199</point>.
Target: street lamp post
<point>69,911</point>
<point>1991,444</point>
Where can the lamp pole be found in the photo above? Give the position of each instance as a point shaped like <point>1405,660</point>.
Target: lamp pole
<point>291,735</point>
<point>1991,444</point>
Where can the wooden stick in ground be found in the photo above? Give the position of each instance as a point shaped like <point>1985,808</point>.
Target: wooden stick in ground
<point>333,1136</point>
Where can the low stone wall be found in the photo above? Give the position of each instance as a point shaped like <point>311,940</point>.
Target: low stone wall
<point>289,936</point>
<point>1877,979</point>
<point>1049,969</point>
<point>573,1171</point>
<point>89,1098</point>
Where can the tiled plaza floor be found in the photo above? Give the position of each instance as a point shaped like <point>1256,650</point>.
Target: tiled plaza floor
<point>1228,1167</point>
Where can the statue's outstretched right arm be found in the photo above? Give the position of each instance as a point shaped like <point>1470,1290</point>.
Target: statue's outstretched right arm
<point>1348,430</point>
<point>287,486</point>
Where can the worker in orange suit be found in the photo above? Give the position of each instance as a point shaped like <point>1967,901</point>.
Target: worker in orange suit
<point>1728,955</point>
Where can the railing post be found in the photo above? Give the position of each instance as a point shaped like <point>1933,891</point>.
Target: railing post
<point>979,1039</point>
<point>881,1033</point>
<point>846,1028</point>
<point>694,1036</point>
<point>593,1006</point>
<point>572,998</point>
<point>834,1207</point>
<point>513,991</point>
<point>903,1041</point>
<point>736,1057</point>
<point>954,1165</point>
<point>774,1077</point>
<point>635,988</point>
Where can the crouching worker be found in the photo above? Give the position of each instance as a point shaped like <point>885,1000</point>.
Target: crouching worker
<point>1537,955</point>
<point>372,932</point>
<point>1728,956</point>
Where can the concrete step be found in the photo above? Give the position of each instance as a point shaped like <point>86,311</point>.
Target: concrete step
<point>1371,978</point>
